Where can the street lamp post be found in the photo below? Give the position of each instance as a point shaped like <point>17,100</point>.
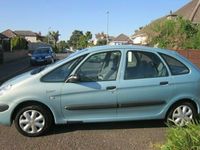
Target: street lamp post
<point>107,26</point>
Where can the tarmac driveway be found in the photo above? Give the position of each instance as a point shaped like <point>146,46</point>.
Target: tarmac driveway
<point>103,136</point>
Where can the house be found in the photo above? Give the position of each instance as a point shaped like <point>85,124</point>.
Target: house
<point>9,33</point>
<point>190,11</point>
<point>139,38</point>
<point>122,39</point>
<point>3,37</point>
<point>34,39</point>
<point>99,36</point>
<point>4,42</point>
<point>102,37</point>
<point>30,36</point>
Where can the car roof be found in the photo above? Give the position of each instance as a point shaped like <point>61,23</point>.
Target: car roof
<point>131,47</point>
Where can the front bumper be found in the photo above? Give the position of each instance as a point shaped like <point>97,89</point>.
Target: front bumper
<point>5,114</point>
<point>40,61</point>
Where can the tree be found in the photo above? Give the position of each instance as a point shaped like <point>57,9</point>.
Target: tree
<point>101,42</point>
<point>101,39</point>
<point>62,45</point>
<point>18,43</point>
<point>88,35</point>
<point>54,35</point>
<point>74,39</point>
<point>78,40</point>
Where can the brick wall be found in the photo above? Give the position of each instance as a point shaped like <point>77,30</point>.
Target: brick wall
<point>15,55</point>
<point>192,55</point>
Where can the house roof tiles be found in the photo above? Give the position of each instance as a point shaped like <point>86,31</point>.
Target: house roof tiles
<point>9,33</point>
<point>3,36</point>
<point>25,33</point>
<point>190,11</point>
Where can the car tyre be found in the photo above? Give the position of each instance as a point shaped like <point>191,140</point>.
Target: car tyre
<point>31,63</point>
<point>181,114</point>
<point>52,60</point>
<point>33,120</point>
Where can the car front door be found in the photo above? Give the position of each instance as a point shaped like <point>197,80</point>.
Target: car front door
<point>144,87</point>
<point>93,96</point>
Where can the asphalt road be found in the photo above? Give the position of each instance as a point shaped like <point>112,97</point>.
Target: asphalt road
<point>103,136</point>
<point>134,135</point>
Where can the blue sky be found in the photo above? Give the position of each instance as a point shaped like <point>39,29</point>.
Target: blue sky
<point>67,15</point>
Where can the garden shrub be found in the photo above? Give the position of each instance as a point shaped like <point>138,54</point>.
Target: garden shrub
<point>183,138</point>
<point>176,33</point>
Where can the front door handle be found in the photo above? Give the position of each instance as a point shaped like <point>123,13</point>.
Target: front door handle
<point>164,83</point>
<point>111,88</point>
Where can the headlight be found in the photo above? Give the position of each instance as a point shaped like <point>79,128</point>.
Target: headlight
<point>32,57</point>
<point>3,89</point>
<point>48,56</point>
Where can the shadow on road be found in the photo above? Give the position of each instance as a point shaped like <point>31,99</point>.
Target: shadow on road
<point>58,129</point>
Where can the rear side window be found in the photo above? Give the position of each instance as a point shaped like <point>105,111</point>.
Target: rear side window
<point>141,65</point>
<point>175,66</point>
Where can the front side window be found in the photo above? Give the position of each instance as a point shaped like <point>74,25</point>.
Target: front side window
<point>61,73</point>
<point>144,65</point>
<point>100,67</point>
<point>175,66</point>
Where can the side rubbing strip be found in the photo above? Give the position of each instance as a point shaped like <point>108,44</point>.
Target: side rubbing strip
<point>142,104</point>
<point>103,106</point>
<point>112,106</point>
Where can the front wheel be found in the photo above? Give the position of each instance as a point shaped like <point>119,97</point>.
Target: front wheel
<point>181,114</point>
<point>33,121</point>
<point>52,60</point>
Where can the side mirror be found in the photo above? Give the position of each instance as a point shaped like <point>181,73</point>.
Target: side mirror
<point>29,54</point>
<point>73,79</point>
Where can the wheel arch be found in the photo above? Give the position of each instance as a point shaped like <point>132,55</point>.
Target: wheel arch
<point>182,101</point>
<point>28,103</point>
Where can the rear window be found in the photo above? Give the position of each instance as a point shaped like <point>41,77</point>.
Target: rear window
<point>175,66</point>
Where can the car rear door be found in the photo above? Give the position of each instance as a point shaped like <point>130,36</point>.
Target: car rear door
<point>145,86</point>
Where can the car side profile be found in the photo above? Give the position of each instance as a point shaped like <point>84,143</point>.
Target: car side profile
<point>103,84</point>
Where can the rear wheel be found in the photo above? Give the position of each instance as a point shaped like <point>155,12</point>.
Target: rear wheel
<point>181,114</point>
<point>33,120</point>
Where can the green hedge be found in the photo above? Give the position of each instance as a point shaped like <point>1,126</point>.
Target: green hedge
<point>18,43</point>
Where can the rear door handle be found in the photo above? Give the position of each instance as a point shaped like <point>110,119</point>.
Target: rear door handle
<point>164,83</point>
<point>111,88</point>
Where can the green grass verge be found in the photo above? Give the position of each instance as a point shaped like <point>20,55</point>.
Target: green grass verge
<point>182,138</point>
